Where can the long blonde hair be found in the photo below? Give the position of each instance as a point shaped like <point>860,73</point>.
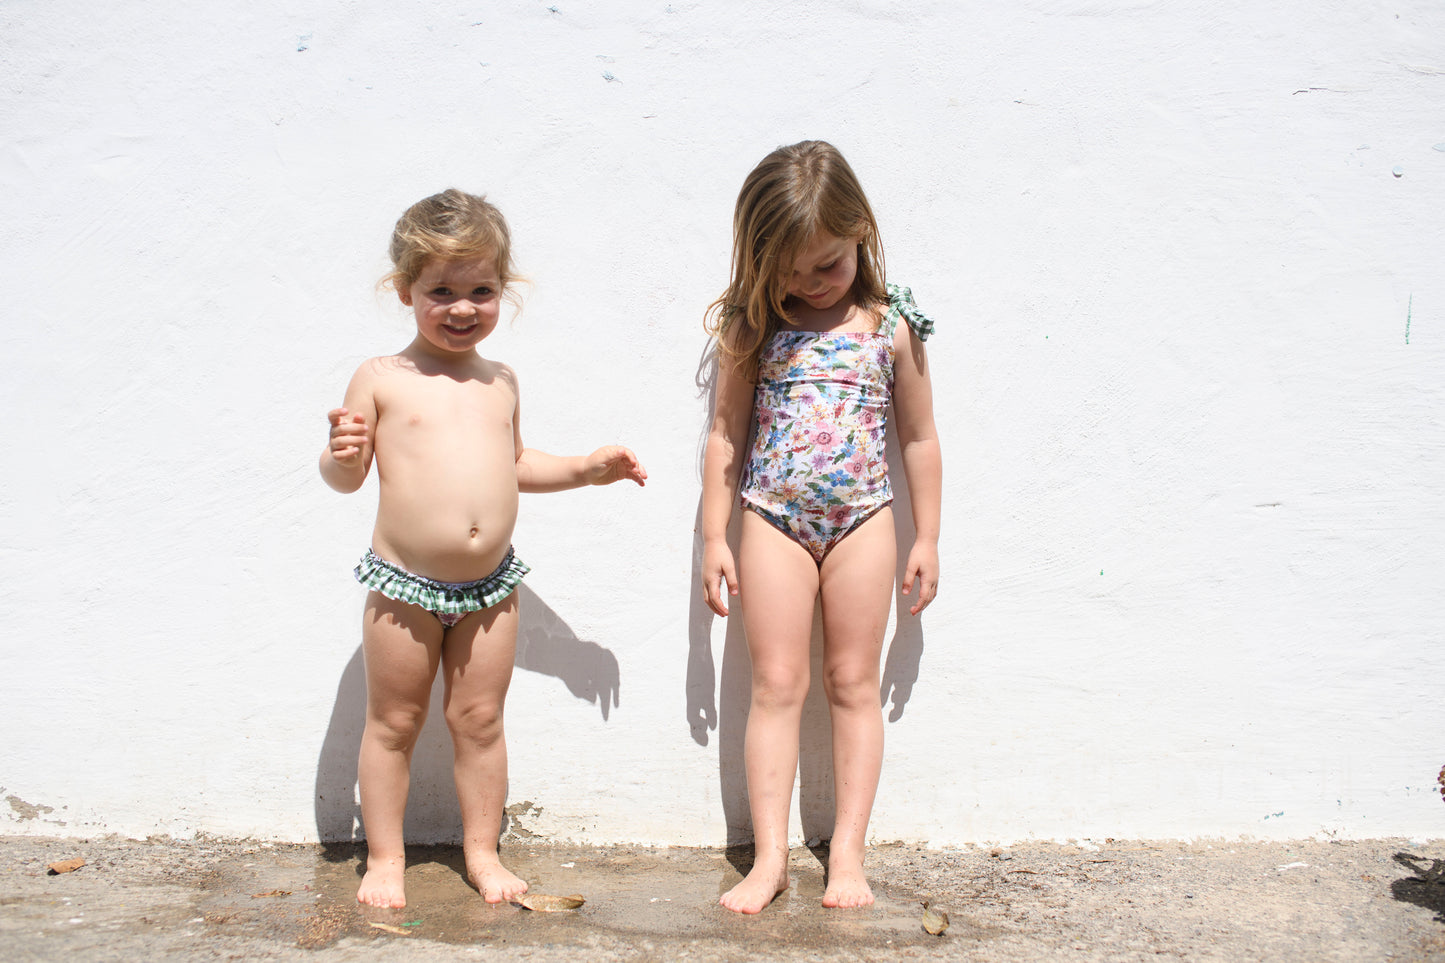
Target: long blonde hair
<point>794,194</point>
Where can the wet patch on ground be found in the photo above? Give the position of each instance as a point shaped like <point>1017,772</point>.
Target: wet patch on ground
<point>163,899</point>
<point>308,897</point>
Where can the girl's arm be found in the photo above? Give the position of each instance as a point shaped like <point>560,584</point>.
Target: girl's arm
<point>538,471</point>
<point>922,462</point>
<point>346,459</point>
<point>721,465</point>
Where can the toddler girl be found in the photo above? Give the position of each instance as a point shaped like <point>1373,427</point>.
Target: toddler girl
<point>444,425</point>
<point>811,352</point>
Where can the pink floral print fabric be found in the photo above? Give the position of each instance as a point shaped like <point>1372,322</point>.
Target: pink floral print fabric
<point>817,468</point>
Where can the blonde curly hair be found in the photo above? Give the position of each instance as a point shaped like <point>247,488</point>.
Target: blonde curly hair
<point>450,226</point>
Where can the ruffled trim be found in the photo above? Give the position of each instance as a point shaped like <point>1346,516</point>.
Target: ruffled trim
<point>452,598</point>
<point>900,305</point>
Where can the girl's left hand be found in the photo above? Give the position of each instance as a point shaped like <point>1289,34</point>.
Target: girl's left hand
<point>613,463</point>
<point>922,568</point>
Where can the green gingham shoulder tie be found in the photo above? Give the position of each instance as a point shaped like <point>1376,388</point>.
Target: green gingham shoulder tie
<point>900,305</point>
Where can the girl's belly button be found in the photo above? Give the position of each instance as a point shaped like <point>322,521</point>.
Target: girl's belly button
<point>474,531</point>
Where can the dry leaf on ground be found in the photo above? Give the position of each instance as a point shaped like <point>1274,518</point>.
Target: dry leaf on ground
<point>391,929</point>
<point>542,903</point>
<point>65,866</point>
<point>935,921</point>
<point>271,892</point>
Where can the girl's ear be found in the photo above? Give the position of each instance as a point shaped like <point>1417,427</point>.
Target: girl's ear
<point>404,293</point>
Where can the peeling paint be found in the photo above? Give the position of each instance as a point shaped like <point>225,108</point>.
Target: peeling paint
<point>515,812</point>
<point>27,811</point>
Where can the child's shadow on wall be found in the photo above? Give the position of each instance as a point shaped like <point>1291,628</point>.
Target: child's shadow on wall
<point>722,704</point>
<point>545,644</point>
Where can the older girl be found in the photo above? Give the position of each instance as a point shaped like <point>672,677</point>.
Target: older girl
<point>813,346</point>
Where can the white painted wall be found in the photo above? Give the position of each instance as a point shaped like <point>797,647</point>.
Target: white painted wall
<point>1186,261</point>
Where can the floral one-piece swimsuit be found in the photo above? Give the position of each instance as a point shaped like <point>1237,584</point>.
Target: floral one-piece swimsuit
<point>817,469</point>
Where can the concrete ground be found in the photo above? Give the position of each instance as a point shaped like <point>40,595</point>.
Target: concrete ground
<point>212,899</point>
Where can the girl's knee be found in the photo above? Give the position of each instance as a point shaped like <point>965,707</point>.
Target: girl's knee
<point>852,687</point>
<point>477,723</point>
<point>396,728</point>
<point>779,690</point>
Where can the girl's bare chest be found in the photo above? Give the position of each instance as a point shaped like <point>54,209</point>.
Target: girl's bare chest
<point>443,405</point>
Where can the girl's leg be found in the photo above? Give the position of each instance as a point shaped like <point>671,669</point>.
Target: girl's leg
<point>477,657</point>
<point>401,644</point>
<point>857,588</point>
<point>779,584</point>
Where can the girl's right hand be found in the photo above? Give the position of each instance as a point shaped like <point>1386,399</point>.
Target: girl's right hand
<point>718,569</point>
<point>348,435</point>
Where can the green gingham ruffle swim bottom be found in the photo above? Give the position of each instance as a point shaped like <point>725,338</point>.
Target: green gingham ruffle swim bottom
<point>448,601</point>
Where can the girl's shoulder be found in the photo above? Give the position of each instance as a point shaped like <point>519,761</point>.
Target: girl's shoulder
<point>393,371</point>
<point>902,308</point>
<point>500,371</point>
<point>386,366</point>
<point>372,369</point>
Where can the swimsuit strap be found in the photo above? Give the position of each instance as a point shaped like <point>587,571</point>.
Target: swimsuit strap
<point>900,305</point>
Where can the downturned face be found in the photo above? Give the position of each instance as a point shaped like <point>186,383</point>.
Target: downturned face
<point>824,270</point>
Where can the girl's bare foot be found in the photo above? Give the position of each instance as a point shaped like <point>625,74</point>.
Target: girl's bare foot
<point>495,882</point>
<point>759,888</point>
<point>847,886</point>
<point>382,884</point>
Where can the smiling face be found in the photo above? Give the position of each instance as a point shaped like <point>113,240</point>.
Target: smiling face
<point>456,303</point>
<point>824,270</point>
